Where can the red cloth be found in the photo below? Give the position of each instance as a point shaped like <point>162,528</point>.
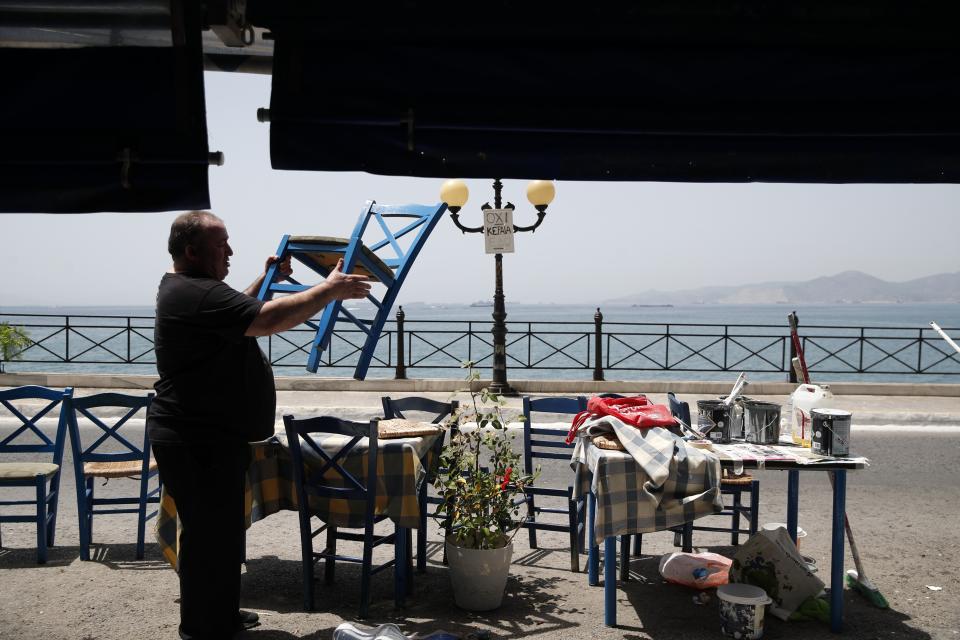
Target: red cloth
<point>635,410</point>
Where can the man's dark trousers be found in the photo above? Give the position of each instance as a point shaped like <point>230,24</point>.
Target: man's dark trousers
<point>207,482</point>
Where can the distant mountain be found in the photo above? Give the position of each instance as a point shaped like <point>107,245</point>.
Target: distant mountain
<point>847,287</point>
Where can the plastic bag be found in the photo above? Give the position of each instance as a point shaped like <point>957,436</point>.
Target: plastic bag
<point>698,570</point>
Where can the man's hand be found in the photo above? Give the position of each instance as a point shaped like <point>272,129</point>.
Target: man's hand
<point>287,312</point>
<point>284,266</point>
<point>347,286</point>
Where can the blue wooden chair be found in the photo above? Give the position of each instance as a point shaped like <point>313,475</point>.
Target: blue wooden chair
<point>543,443</point>
<point>119,450</point>
<point>44,477</point>
<point>320,474</point>
<point>414,408</point>
<point>413,223</point>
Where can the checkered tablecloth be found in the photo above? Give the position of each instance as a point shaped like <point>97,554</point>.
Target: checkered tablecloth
<point>270,487</point>
<point>658,483</point>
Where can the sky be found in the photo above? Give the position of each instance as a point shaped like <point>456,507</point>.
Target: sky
<point>600,240</point>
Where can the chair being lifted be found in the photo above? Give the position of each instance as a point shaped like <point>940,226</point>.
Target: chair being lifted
<point>321,253</point>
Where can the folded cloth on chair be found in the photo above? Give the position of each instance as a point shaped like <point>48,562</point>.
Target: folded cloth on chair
<point>657,483</point>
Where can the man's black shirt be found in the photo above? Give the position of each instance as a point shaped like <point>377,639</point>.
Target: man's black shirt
<point>215,382</point>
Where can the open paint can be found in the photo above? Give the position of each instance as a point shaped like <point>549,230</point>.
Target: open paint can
<point>736,416</point>
<point>741,610</point>
<point>831,432</point>
<point>761,422</point>
<point>713,420</point>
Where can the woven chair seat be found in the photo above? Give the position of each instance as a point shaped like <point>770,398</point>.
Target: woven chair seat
<point>607,441</point>
<point>328,259</point>
<point>123,469</point>
<point>741,480</point>
<point>26,470</point>
<point>400,428</point>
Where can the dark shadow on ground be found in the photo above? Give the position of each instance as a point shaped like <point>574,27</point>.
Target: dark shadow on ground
<point>272,584</point>
<point>26,558</point>
<point>668,611</point>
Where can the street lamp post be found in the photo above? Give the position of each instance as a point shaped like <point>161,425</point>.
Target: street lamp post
<point>540,193</point>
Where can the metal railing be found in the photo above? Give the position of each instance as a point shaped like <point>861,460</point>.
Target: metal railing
<point>593,349</point>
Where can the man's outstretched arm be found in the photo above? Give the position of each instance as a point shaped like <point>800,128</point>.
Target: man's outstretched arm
<point>287,312</point>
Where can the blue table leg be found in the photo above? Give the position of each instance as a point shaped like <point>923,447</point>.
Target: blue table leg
<point>401,565</point>
<point>836,551</point>
<point>610,581</point>
<point>793,502</point>
<point>593,553</point>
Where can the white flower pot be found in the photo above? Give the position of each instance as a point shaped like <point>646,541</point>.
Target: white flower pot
<point>479,576</point>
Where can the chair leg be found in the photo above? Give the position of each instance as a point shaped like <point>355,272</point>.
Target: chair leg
<point>422,532</point>
<point>366,569</point>
<point>637,544</point>
<point>532,522</point>
<point>735,527</point>
<point>91,487</point>
<point>574,538</point>
<point>582,525</point>
<point>754,506</point>
<point>41,519</point>
<point>329,565</point>
<point>83,521</point>
<point>625,557</point>
<point>687,537</point>
<point>306,558</point>
<point>53,499</point>
<point>142,514</point>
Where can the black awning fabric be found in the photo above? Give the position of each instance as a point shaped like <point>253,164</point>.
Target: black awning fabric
<point>617,108</point>
<point>104,129</point>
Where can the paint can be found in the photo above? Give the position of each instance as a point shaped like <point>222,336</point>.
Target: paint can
<point>742,610</point>
<point>713,420</point>
<point>761,422</point>
<point>831,432</point>
<point>736,417</point>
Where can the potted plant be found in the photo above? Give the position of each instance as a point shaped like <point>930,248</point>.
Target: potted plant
<point>481,485</point>
<point>13,340</point>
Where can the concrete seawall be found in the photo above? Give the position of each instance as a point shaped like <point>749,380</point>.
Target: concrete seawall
<point>871,403</point>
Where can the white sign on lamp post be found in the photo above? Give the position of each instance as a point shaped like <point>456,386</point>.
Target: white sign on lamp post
<point>498,230</point>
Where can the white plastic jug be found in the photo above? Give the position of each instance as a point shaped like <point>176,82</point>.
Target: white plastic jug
<point>805,398</point>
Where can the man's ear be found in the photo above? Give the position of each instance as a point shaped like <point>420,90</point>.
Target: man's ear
<point>190,252</point>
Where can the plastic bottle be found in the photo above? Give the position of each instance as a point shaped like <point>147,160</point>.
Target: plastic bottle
<point>805,398</point>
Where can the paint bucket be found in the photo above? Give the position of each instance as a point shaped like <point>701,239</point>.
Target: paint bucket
<point>736,418</point>
<point>741,610</point>
<point>713,420</point>
<point>831,432</point>
<point>773,526</point>
<point>761,422</point>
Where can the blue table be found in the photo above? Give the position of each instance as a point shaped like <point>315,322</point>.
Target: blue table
<point>839,467</point>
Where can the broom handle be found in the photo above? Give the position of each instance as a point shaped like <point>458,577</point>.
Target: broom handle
<point>792,319</point>
<point>943,334</point>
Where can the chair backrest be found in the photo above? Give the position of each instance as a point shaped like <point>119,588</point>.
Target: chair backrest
<point>437,410</point>
<point>421,221</point>
<point>30,437</point>
<point>679,409</point>
<point>414,407</point>
<point>117,438</point>
<point>326,477</point>
<point>542,442</point>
